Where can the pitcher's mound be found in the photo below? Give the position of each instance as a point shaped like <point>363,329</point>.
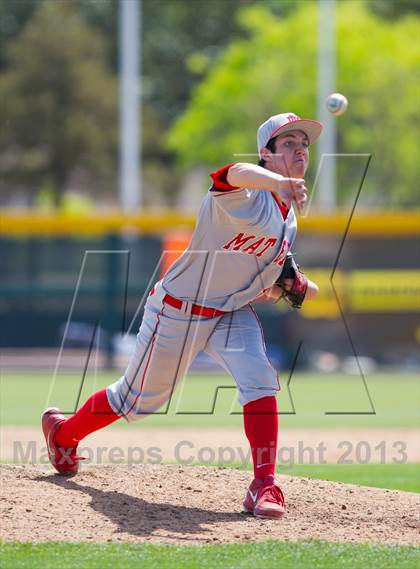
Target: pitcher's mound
<point>193,505</point>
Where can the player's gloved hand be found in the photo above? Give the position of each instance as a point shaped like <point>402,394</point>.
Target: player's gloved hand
<point>293,283</point>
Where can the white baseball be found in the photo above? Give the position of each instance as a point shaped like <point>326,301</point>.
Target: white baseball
<point>336,104</point>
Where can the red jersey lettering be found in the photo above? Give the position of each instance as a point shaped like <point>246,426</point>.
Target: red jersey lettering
<point>238,241</point>
<point>279,260</point>
<point>271,241</point>
<point>254,246</point>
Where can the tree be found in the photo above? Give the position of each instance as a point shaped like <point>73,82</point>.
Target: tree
<point>393,8</point>
<point>59,102</point>
<point>101,15</point>
<point>171,32</point>
<point>181,39</point>
<point>274,68</point>
<point>13,17</point>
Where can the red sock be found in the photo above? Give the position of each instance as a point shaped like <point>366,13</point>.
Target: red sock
<point>95,414</point>
<point>261,428</point>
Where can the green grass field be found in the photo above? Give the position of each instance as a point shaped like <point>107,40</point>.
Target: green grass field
<point>23,398</point>
<point>269,554</point>
<point>404,477</point>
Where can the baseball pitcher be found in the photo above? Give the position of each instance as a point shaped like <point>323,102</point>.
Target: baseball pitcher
<point>240,250</point>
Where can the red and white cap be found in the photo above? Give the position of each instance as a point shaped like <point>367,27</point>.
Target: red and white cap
<point>278,124</point>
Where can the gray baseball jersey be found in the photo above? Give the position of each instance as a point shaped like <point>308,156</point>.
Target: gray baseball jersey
<point>237,250</point>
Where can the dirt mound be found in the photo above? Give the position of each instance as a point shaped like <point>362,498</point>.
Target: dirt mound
<point>193,505</point>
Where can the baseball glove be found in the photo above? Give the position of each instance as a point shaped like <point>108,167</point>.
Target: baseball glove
<point>294,294</point>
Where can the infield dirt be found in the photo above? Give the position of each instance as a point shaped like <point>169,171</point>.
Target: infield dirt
<point>193,505</point>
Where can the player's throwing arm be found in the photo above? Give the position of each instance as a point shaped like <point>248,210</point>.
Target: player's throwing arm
<point>253,177</point>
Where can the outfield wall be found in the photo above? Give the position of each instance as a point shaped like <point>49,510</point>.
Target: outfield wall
<point>369,281</point>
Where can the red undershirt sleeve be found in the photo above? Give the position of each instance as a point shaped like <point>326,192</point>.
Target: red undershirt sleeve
<point>220,183</point>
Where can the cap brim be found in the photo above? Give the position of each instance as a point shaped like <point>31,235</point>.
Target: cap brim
<point>311,128</point>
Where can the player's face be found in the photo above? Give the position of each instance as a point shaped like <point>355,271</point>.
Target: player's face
<point>291,158</point>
